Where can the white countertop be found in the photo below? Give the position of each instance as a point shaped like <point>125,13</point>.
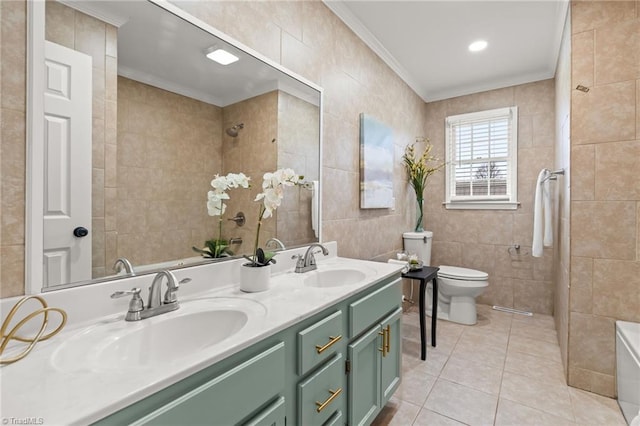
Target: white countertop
<point>36,387</point>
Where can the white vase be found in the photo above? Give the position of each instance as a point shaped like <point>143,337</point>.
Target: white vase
<point>255,278</point>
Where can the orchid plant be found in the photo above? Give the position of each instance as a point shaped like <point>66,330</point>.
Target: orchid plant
<point>219,247</point>
<point>273,185</point>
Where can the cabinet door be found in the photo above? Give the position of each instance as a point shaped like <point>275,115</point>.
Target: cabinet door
<point>273,415</point>
<point>364,377</point>
<point>392,361</point>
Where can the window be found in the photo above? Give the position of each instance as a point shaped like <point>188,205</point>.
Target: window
<point>482,160</point>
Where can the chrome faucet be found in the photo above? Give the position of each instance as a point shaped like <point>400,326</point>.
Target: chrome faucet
<point>156,305</point>
<point>279,245</point>
<point>307,262</point>
<point>123,262</point>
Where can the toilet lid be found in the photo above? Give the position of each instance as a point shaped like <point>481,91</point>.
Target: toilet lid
<point>457,273</point>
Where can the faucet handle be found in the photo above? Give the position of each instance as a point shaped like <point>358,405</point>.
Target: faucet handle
<point>136,305</point>
<point>118,294</point>
<point>170,294</point>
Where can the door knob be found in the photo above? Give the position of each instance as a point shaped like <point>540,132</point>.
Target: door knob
<point>80,232</point>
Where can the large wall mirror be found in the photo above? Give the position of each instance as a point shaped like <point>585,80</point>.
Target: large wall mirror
<point>134,79</point>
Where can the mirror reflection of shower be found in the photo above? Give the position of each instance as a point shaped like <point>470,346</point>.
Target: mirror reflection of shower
<point>233,131</point>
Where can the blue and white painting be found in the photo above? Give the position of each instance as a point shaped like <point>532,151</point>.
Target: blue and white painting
<point>376,164</point>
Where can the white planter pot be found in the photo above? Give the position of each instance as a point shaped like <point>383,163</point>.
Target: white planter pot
<point>254,279</point>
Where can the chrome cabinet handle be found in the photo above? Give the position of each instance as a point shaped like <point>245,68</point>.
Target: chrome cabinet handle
<point>334,394</point>
<point>331,342</point>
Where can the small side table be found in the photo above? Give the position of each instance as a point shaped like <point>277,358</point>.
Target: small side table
<point>426,274</point>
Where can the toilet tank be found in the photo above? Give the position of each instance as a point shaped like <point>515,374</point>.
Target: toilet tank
<point>419,243</point>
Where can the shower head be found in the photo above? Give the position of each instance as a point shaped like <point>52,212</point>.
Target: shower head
<point>233,131</point>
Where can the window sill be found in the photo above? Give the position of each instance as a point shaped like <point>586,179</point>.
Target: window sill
<point>482,205</point>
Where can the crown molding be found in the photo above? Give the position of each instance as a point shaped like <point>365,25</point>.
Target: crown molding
<point>340,9</point>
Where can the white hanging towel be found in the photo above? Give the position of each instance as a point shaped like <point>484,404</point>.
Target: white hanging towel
<point>315,198</point>
<point>542,230</point>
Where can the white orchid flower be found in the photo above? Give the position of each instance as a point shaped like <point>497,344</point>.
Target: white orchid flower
<point>236,180</point>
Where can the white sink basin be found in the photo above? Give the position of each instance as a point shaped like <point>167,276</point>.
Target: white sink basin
<point>121,345</point>
<point>334,277</point>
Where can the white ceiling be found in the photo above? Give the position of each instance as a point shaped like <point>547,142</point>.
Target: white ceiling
<point>425,42</point>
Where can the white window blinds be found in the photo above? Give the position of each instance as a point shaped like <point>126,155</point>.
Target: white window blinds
<point>481,151</point>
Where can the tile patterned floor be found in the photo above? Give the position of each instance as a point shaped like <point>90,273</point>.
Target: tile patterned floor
<point>505,370</point>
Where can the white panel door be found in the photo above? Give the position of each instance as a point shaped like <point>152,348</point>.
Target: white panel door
<point>67,166</point>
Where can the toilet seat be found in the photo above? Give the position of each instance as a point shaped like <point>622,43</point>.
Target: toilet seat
<point>463,274</point>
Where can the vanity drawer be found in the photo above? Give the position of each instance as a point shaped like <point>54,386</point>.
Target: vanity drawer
<point>228,398</point>
<point>319,341</point>
<point>322,394</point>
<point>369,309</point>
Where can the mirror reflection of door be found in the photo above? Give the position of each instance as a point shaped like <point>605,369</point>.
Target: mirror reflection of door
<point>67,165</point>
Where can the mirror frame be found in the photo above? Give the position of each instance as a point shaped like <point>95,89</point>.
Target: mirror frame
<point>34,187</point>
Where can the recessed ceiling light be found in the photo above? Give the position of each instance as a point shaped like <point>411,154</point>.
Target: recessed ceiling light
<point>477,46</point>
<point>222,57</point>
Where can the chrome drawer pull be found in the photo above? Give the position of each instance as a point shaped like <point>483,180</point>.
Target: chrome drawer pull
<point>334,395</point>
<point>333,340</point>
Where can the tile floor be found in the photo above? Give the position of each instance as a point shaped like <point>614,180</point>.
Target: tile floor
<point>505,370</point>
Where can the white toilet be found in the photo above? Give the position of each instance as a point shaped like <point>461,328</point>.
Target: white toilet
<point>457,287</point>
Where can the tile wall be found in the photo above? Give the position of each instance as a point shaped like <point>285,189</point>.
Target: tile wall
<point>605,193</point>
<point>298,135</point>
<point>253,153</point>
<point>310,40</point>
<point>12,145</point>
<point>168,151</point>
<point>480,239</point>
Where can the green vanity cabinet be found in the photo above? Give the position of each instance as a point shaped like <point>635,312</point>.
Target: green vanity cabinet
<point>327,369</point>
<point>244,388</point>
<point>375,369</point>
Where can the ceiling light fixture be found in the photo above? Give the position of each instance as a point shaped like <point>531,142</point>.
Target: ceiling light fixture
<point>477,46</point>
<point>221,56</point>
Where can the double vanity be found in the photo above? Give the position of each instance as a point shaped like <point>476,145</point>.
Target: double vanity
<point>319,347</point>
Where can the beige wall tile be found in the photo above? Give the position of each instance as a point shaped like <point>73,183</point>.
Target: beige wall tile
<point>616,171</point>
<point>14,64</point>
<point>586,15</point>
<point>543,129</point>
<point>583,172</point>
<point>582,54</point>
<point>592,343</point>
<point>499,292</point>
<point>581,284</point>
<point>601,229</point>
<point>446,253</point>
<point>579,378</point>
<point>605,384</point>
<point>90,36</point>
<point>59,24</point>
<point>12,260</point>
<point>535,98</point>
<point>616,292</point>
<point>533,296</point>
<point>617,53</point>
<point>604,114</point>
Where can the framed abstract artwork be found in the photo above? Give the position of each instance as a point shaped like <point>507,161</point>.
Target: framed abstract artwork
<point>376,164</point>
